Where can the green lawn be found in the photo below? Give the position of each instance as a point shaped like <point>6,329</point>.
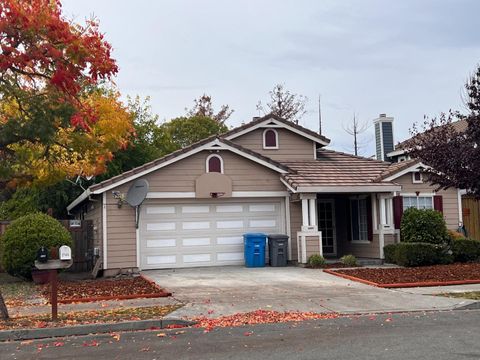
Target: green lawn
<point>471,295</point>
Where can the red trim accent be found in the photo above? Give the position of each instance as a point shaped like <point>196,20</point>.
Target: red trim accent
<point>438,203</point>
<point>403,285</point>
<point>397,211</point>
<point>118,297</point>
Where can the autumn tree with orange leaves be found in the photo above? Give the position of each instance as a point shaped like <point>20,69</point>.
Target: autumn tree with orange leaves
<point>59,116</point>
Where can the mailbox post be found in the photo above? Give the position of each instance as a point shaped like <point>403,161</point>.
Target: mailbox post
<point>65,261</point>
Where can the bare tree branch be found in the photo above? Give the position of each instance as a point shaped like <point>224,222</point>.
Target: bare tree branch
<point>284,104</point>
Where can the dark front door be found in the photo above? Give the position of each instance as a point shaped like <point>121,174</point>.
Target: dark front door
<point>326,224</point>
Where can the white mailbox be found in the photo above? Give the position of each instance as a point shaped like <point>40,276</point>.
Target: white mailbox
<point>65,253</point>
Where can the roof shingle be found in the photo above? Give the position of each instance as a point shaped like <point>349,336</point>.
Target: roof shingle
<point>334,168</point>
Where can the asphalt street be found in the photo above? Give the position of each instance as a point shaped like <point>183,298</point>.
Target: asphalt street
<point>435,335</point>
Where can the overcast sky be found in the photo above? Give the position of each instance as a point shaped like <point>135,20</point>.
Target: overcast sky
<point>404,58</point>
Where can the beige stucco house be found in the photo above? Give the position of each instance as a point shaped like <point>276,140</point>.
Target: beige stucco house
<point>269,176</point>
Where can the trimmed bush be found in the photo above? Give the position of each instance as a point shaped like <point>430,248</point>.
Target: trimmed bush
<point>316,260</point>
<point>416,254</point>
<point>465,250</point>
<point>25,236</point>
<point>389,253</point>
<point>423,226</point>
<point>349,260</point>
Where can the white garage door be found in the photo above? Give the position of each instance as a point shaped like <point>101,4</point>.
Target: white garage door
<point>203,233</point>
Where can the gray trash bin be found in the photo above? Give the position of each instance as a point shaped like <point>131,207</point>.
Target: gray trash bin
<point>278,249</point>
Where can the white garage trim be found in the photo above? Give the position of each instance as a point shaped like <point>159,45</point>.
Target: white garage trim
<point>202,238</point>
<point>287,226</point>
<point>104,229</point>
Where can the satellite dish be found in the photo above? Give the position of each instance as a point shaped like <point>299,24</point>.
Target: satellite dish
<point>137,192</point>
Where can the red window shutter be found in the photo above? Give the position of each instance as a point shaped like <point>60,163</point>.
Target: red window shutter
<point>270,138</point>
<point>369,218</point>
<point>214,164</point>
<point>397,211</point>
<point>438,203</point>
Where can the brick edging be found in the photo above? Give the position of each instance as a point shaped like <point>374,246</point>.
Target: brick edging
<point>403,285</point>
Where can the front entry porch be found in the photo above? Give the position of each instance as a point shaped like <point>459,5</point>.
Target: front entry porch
<point>337,224</point>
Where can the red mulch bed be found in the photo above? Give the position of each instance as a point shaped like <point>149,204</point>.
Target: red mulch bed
<point>415,276</point>
<point>105,289</point>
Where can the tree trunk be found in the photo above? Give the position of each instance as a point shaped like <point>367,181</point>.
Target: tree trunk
<point>3,309</point>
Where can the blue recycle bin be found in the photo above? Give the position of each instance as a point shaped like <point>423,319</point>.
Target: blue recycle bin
<point>254,247</point>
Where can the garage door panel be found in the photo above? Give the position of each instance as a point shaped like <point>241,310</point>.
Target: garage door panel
<point>202,234</point>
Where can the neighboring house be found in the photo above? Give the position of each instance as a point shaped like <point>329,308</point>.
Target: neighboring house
<point>468,213</point>
<point>270,176</point>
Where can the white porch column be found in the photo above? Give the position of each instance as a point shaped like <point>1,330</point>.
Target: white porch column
<point>305,220</point>
<point>309,239</point>
<point>313,212</point>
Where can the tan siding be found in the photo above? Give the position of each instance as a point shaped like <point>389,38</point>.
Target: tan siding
<point>291,146</point>
<point>370,250</point>
<point>246,175</point>
<point>450,198</point>
<point>389,239</point>
<point>295,226</point>
<point>121,234</point>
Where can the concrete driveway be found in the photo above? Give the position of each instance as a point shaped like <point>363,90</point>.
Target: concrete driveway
<point>217,291</point>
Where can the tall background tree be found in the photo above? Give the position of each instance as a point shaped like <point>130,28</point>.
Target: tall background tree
<point>55,119</point>
<point>453,155</point>
<point>355,129</point>
<point>283,103</point>
<point>203,107</point>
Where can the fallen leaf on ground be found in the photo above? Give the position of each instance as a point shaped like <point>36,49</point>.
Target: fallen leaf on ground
<point>259,317</point>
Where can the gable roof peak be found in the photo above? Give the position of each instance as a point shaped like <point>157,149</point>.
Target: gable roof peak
<point>272,119</point>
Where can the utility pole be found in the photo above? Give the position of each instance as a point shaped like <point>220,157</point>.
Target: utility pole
<point>355,133</point>
<point>319,115</point>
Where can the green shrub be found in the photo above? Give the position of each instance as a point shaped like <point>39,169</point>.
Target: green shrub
<point>349,260</point>
<point>465,250</point>
<point>25,236</point>
<point>316,260</point>
<point>423,226</point>
<point>416,254</point>
<point>389,253</point>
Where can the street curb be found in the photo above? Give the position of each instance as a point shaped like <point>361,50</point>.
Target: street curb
<point>403,285</point>
<point>29,334</point>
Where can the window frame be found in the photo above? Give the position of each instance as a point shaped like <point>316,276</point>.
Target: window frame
<point>386,212</point>
<point>415,181</point>
<point>423,196</point>
<point>365,231</point>
<point>265,147</point>
<point>207,163</point>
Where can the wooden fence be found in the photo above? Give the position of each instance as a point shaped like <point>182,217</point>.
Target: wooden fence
<point>471,216</point>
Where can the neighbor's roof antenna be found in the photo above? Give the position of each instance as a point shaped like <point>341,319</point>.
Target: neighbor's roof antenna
<point>319,115</point>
